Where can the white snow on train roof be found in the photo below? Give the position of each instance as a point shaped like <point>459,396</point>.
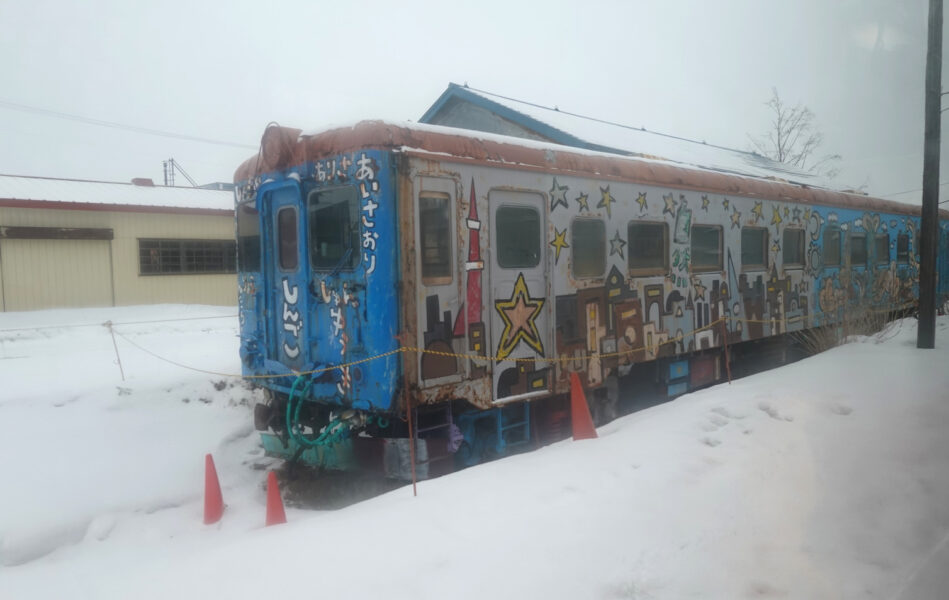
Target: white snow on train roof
<point>45,189</point>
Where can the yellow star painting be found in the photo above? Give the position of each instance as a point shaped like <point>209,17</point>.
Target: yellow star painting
<point>641,200</point>
<point>606,201</point>
<point>560,242</point>
<point>757,210</point>
<point>519,314</point>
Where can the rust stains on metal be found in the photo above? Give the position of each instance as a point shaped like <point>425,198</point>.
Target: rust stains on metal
<point>283,147</point>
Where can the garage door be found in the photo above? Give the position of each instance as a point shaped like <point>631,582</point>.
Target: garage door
<point>43,273</point>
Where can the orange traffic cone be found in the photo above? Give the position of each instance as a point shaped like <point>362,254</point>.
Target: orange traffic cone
<point>213,501</point>
<point>580,417</point>
<point>275,513</point>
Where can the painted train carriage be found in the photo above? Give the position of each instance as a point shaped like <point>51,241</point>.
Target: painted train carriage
<point>394,276</point>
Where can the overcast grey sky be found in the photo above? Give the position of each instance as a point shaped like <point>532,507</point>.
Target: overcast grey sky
<point>223,70</point>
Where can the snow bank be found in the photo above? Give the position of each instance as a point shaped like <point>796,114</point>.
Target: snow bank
<point>823,479</point>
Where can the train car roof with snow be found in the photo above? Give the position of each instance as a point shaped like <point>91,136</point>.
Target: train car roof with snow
<point>284,147</point>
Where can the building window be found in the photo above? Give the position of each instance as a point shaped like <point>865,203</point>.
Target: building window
<point>287,238</point>
<point>882,243</point>
<point>177,257</point>
<point>792,251</point>
<point>706,247</point>
<point>858,250</point>
<point>588,247</point>
<point>648,247</point>
<point>831,250</point>
<point>902,248</point>
<point>333,220</point>
<point>434,211</point>
<point>754,248</point>
<point>518,234</point>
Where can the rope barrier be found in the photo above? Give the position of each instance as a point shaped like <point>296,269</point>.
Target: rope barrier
<point>479,357</point>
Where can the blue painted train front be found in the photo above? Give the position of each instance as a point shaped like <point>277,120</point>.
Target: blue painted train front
<point>318,250</point>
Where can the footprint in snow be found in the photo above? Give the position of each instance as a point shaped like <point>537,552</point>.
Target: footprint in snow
<point>841,409</point>
<point>773,412</point>
<point>710,441</point>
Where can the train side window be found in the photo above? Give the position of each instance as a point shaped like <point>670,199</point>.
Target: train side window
<point>518,234</point>
<point>434,211</point>
<point>588,247</point>
<point>648,247</point>
<point>287,242</point>
<point>831,251</point>
<point>754,248</point>
<point>706,247</point>
<point>858,250</point>
<point>792,251</point>
<point>333,223</point>
<point>902,248</point>
<point>882,243</point>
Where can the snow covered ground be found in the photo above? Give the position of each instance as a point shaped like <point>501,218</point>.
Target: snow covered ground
<point>828,478</point>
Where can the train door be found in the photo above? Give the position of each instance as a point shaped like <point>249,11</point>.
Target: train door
<point>285,274</point>
<point>520,311</point>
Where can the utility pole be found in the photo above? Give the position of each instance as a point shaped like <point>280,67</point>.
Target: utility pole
<point>926,331</point>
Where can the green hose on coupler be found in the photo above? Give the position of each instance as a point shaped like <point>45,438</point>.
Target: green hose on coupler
<point>335,431</point>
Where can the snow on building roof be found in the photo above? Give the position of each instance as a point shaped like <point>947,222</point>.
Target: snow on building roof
<point>22,189</point>
<point>594,134</point>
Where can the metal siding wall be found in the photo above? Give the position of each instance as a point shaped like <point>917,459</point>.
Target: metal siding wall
<point>42,274</point>
<point>130,287</point>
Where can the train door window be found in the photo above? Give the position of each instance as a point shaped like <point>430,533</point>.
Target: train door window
<point>518,237</point>
<point>792,250</point>
<point>248,237</point>
<point>754,248</point>
<point>902,248</point>
<point>706,247</point>
<point>434,209</point>
<point>648,247</point>
<point>333,223</point>
<point>882,244</point>
<point>831,250</point>
<point>588,247</point>
<point>287,243</point>
<point>858,250</point>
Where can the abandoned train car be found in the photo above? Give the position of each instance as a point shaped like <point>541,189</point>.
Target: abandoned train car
<point>468,275</point>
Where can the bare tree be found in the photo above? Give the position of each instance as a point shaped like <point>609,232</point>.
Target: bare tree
<point>793,139</point>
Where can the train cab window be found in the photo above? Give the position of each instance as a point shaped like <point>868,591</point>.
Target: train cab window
<point>434,211</point>
<point>754,248</point>
<point>882,246</point>
<point>706,247</point>
<point>858,250</point>
<point>518,237</point>
<point>792,247</point>
<point>248,237</point>
<point>902,248</point>
<point>333,224</point>
<point>588,247</point>
<point>287,243</point>
<point>831,251</point>
<point>648,247</point>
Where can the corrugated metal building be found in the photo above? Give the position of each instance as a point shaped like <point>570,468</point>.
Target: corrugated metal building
<point>70,243</point>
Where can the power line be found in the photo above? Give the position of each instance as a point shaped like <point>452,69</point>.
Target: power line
<point>908,191</point>
<point>114,125</point>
